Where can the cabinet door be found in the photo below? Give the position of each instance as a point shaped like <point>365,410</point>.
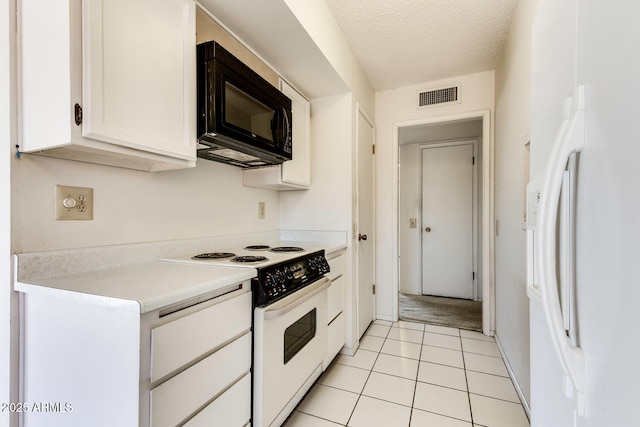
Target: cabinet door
<point>139,74</point>
<point>298,170</point>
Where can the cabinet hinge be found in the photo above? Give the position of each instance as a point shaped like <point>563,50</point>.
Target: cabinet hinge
<point>473,160</point>
<point>373,149</point>
<point>78,114</point>
<point>374,289</point>
<point>473,275</point>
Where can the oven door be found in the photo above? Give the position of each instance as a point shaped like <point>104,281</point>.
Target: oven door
<point>290,339</point>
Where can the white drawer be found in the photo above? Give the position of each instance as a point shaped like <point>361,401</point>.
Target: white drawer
<point>337,266</point>
<point>232,408</point>
<point>177,343</point>
<point>335,298</point>
<point>179,397</point>
<point>335,339</point>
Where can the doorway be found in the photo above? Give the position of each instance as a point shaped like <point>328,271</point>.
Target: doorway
<point>411,138</point>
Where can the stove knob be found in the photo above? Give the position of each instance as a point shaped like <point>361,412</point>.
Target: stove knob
<point>269,280</point>
<point>312,264</point>
<point>279,277</point>
<point>288,273</point>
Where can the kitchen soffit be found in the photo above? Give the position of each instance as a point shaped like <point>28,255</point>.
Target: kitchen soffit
<point>274,33</point>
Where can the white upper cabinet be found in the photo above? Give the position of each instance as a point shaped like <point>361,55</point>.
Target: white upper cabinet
<point>294,174</point>
<point>110,82</point>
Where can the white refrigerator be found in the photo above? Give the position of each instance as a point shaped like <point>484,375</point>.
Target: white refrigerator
<point>583,214</point>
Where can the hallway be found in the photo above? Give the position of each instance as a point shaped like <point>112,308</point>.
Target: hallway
<point>408,374</point>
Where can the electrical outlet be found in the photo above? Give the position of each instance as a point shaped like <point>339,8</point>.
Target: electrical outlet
<point>261,210</point>
<point>413,223</point>
<point>73,203</point>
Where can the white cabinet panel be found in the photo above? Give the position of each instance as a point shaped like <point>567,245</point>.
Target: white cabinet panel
<point>232,409</point>
<point>81,352</point>
<point>177,343</point>
<point>335,339</point>
<point>129,66</point>
<point>336,334</point>
<point>337,266</point>
<point>297,171</point>
<point>335,298</point>
<point>182,395</point>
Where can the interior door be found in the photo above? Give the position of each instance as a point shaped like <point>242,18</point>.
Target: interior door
<point>365,245</point>
<point>447,221</point>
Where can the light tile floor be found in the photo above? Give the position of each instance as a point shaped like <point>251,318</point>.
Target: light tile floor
<point>409,374</point>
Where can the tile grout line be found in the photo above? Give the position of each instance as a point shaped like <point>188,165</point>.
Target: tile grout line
<point>415,386</point>
<point>368,376</point>
<point>466,379</point>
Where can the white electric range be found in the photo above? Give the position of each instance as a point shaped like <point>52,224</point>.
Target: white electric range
<point>289,326</point>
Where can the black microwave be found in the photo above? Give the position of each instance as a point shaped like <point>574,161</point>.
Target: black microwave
<point>243,120</point>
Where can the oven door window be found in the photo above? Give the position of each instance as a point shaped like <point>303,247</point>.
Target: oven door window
<point>299,334</point>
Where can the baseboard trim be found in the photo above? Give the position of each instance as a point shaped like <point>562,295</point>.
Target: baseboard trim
<point>524,402</point>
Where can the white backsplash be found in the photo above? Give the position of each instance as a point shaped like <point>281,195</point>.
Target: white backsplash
<point>83,260</point>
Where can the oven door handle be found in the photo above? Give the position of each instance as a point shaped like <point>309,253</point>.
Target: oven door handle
<point>284,306</point>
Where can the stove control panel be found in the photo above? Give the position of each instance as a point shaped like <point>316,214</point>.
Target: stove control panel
<point>277,281</point>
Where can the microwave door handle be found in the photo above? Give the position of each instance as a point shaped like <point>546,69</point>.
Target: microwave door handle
<point>287,128</point>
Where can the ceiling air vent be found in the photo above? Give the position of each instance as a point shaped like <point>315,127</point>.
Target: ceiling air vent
<point>438,96</point>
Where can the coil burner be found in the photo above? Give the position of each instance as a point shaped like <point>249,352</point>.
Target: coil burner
<point>257,247</point>
<point>214,255</point>
<point>249,258</point>
<point>287,249</point>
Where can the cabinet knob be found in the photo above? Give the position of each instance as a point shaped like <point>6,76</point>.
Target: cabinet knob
<point>362,237</point>
<point>427,229</point>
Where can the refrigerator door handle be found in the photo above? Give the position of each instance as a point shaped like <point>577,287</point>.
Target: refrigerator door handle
<point>569,140</point>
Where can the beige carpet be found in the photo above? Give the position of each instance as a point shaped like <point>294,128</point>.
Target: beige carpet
<point>456,313</point>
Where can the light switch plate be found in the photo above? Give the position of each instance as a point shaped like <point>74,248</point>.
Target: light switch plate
<point>73,203</point>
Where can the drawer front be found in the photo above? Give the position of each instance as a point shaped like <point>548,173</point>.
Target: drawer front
<point>338,267</point>
<point>335,339</point>
<point>335,298</point>
<point>232,408</point>
<point>179,397</point>
<point>177,343</point>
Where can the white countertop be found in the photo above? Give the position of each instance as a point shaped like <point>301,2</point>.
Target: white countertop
<point>153,285</point>
<point>134,272</point>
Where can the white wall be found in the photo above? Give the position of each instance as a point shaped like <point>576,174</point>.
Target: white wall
<point>327,205</point>
<point>133,206</point>
<point>5,200</point>
<point>511,134</point>
<point>398,107</point>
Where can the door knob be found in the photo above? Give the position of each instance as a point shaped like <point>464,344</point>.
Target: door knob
<point>362,237</point>
<point>427,229</point>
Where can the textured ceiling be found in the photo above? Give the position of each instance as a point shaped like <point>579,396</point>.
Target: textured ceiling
<point>405,42</point>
